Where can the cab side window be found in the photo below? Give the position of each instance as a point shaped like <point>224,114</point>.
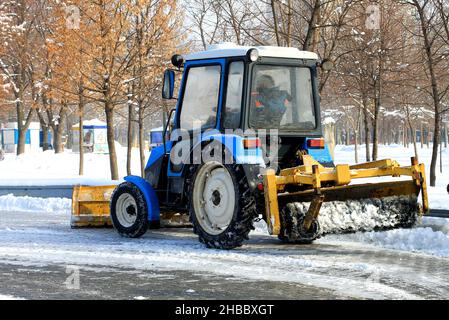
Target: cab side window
<point>200,103</point>
<point>233,107</point>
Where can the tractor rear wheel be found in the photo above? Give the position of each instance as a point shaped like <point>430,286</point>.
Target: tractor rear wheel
<point>222,208</point>
<point>129,211</point>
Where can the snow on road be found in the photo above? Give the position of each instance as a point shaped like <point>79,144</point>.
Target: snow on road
<point>396,264</point>
<point>431,236</point>
<point>351,265</point>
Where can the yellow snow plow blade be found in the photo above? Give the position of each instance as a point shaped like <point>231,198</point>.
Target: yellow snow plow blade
<point>318,185</point>
<point>90,206</point>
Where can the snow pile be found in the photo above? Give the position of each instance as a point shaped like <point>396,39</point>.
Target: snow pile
<point>423,240</point>
<point>430,237</point>
<point>360,215</point>
<point>8,297</point>
<point>28,204</point>
<point>260,227</point>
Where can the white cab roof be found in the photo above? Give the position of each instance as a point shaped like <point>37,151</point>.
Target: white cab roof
<point>231,50</point>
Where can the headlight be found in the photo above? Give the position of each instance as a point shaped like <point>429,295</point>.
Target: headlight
<point>253,55</point>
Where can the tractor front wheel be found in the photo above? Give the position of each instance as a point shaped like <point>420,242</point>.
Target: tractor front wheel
<point>222,208</point>
<point>129,211</point>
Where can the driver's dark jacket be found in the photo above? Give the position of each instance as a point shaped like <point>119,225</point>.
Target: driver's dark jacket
<point>269,107</point>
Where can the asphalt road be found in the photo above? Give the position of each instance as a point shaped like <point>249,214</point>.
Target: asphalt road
<point>96,282</point>
<point>42,258</point>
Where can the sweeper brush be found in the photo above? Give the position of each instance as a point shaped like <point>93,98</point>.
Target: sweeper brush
<point>327,203</point>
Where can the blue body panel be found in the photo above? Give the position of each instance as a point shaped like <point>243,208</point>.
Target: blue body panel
<point>320,155</point>
<point>234,143</point>
<point>157,153</point>
<point>149,194</point>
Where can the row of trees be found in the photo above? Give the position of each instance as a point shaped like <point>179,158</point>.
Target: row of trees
<point>60,55</point>
<point>390,56</point>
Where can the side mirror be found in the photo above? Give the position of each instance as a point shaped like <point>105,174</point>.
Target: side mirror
<point>168,87</point>
<point>327,65</point>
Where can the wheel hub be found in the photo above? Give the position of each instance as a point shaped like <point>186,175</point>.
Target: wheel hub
<point>214,198</point>
<point>131,210</point>
<point>126,210</point>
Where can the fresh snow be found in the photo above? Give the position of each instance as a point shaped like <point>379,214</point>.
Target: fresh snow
<point>8,297</point>
<point>48,168</point>
<point>438,196</point>
<point>28,204</point>
<point>431,236</point>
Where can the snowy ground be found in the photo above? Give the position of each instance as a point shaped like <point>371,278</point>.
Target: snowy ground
<point>48,168</point>
<point>37,245</point>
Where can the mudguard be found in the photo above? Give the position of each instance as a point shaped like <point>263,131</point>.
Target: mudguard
<point>150,197</point>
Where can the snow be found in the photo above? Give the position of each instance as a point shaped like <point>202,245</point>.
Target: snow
<point>28,204</point>
<point>34,230</point>
<point>8,297</point>
<point>438,196</point>
<point>430,237</point>
<point>48,168</point>
<point>23,241</point>
<point>232,50</point>
<point>93,122</point>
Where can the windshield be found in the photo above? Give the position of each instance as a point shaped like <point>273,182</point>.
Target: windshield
<point>282,98</point>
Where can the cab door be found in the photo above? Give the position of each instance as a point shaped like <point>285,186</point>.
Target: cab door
<point>199,108</point>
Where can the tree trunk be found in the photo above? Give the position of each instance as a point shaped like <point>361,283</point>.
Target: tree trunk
<point>58,130</point>
<point>45,144</point>
<point>21,142</point>
<point>111,141</point>
<point>422,135</point>
<point>45,131</point>
<point>445,135</point>
<point>81,131</point>
<point>435,92</point>
<point>375,128</point>
<point>275,22</point>
<point>141,143</point>
<point>20,128</point>
<point>348,134</point>
<point>130,138</point>
<point>57,138</point>
<point>436,145</point>
<point>366,126</point>
<point>441,156</point>
<point>413,131</point>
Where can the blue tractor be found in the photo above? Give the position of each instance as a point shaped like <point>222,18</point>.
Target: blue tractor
<point>236,107</point>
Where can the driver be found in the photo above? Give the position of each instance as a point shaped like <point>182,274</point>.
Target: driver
<point>270,103</point>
